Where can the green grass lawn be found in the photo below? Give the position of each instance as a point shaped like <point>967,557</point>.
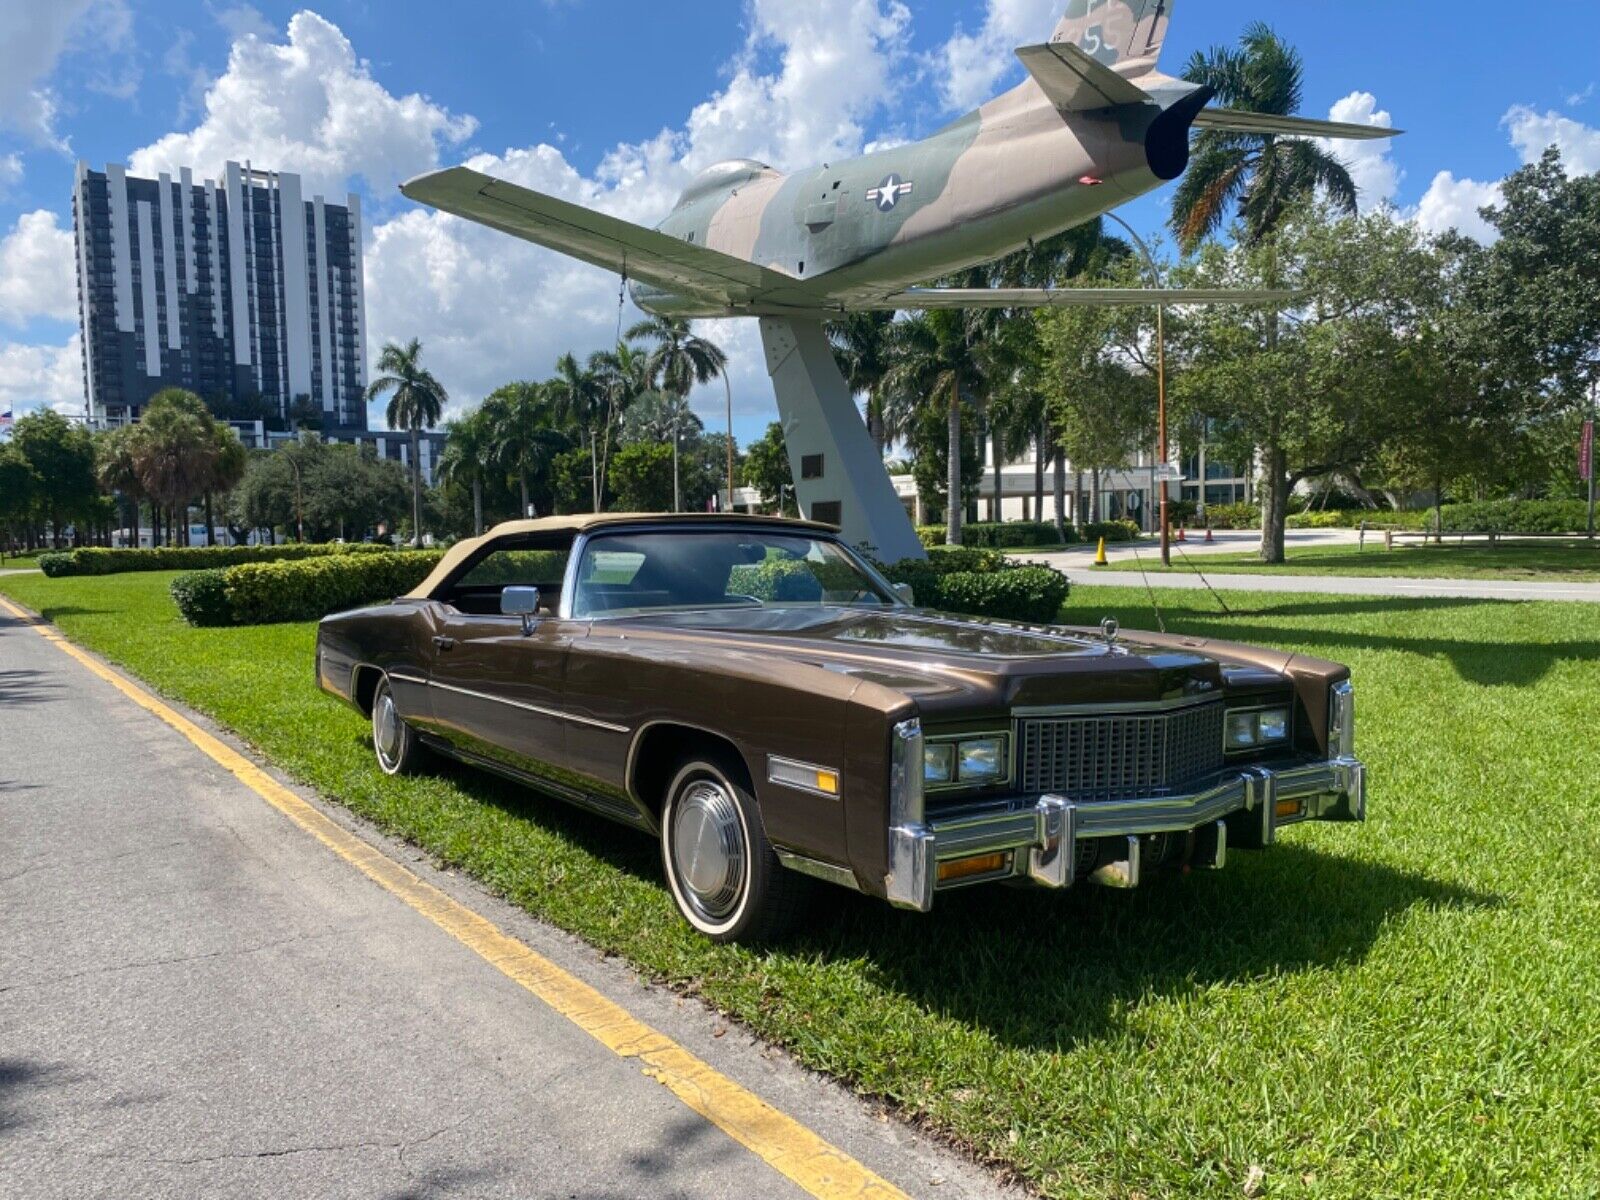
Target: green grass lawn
<point>1405,1008</point>
<point>1552,561</point>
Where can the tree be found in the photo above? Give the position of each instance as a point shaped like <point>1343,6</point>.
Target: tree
<point>678,361</point>
<point>766,468</point>
<point>644,475</point>
<point>468,452</point>
<point>581,399</point>
<point>1265,175</point>
<point>61,457</point>
<point>524,426</point>
<point>227,469</point>
<point>418,403</point>
<point>117,471</point>
<point>939,360</point>
<point>861,346</point>
<point>1311,392</point>
<point>18,486</point>
<point>265,496</point>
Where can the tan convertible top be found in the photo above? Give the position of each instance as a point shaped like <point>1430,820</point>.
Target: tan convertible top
<point>578,522</point>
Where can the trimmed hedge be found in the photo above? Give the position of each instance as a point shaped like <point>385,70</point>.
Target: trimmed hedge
<point>1233,516</point>
<point>100,560</point>
<point>307,590</point>
<point>1022,535</point>
<point>1514,516</point>
<point>983,583</point>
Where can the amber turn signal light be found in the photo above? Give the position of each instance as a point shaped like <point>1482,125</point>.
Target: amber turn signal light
<point>966,868</point>
<point>1288,808</point>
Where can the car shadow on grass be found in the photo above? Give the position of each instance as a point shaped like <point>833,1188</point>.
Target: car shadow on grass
<point>1487,663</point>
<point>1046,970</point>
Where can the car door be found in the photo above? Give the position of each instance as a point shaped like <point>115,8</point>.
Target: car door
<point>495,683</point>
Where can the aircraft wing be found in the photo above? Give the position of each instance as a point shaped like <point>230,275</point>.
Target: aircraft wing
<point>921,298</point>
<point>1075,81</point>
<point>1234,121</point>
<point>720,280</point>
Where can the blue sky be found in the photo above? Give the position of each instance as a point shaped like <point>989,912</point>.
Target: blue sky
<point>617,103</point>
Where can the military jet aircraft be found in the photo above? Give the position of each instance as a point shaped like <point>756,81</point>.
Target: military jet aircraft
<point>1094,125</point>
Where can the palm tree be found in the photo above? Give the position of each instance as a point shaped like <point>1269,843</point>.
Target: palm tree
<point>937,358</point>
<point>524,431</point>
<point>620,377</point>
<point>418,403</point>
<point>1265,175</point>
<point>117,470</point>
<point>227,469</point>
<point>679,360</point>
<point>580,399</point>
<point>861,345</point>
<point>468,449</point>
<point>175,452</point>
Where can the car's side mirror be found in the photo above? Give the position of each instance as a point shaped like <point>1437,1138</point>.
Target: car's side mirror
<point>903,590</point>
<point>521,602</point>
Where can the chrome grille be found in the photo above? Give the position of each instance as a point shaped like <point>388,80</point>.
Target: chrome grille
<point>1119,756</point>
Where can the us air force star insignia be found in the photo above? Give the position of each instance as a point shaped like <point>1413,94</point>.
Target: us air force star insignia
<point>887,194</point>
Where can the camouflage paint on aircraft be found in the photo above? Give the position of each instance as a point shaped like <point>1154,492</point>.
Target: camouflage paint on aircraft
<point>1094,125</point>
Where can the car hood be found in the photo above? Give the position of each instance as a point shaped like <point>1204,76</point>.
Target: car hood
<point>943,660</point>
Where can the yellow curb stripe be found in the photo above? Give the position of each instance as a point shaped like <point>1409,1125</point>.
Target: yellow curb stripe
<point>813,1164</point>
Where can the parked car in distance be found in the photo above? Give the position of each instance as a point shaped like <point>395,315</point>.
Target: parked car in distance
<point>754,694</point>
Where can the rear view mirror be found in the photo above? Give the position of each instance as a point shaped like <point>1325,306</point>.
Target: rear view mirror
<point>903,590</point>
<point>521,602</point>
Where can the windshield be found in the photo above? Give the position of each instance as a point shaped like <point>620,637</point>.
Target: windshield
<point>678,569</point>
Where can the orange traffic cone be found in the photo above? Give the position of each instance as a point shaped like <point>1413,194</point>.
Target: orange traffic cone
<point>1100,559</point>
<point>1181,538</point>
<point>1209,538</point>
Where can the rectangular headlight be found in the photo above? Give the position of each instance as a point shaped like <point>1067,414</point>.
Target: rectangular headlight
<point>1256,728</point>
<point>939,762</point>
<point>981,760</point>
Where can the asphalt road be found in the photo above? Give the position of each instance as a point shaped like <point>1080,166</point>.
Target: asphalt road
<point>198,998</point>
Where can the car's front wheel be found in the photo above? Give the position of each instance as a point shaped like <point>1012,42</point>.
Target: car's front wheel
<point>722,871</point>
<point>395,743</point>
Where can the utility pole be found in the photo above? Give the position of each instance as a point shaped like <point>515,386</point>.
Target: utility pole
<point>1588,444</point>
<point>1161,390</point>
<point>728,387</point>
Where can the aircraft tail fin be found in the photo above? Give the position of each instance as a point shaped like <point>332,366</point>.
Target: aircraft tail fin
<point>1125,35</point>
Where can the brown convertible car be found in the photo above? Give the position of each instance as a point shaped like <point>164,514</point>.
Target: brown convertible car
<point>759,697</point>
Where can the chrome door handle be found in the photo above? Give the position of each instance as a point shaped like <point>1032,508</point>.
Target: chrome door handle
<point>445,643</point>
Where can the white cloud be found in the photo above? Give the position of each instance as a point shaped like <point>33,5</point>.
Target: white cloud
<point>1370,163</point>
<point>308,105</point>
<point>36,270</point>
<point>971,65</point>
<point>1532,132</point>
<point>1578,99</point>
<point>32,38</point>
<point>1452,203</point>
<point>490,308</point>
<point>10,171</point>
<point>243,21</point>
<point>33,377</point>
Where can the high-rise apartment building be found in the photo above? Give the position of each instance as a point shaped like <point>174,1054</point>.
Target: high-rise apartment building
<point>234,289</point>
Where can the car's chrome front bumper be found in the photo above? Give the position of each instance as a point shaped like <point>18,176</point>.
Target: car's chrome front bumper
<point>1041,839</point>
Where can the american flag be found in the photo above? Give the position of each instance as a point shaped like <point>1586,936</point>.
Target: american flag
<point>5,419</point>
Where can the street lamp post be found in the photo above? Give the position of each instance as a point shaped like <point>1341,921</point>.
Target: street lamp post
<point>1161,388</point>
<point>728,387</point>
<point>299,523</point>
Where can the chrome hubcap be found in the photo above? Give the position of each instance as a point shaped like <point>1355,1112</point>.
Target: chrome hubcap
<point>708,851</point>
<point>386,728</point>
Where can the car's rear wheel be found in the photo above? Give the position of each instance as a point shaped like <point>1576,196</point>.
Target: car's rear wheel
<point>721,870</point>
<point>393,741</point>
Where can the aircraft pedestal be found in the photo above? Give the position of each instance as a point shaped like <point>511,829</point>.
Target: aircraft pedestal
<point>820,420</point>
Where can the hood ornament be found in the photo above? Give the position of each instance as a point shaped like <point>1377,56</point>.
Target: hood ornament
<point>1109,629</point>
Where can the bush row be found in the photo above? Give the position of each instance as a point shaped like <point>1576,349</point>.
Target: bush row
<point>1019,535</point>
<point>305,590</point>
<point>1232,516</point>
<point>983,583</point>
<point>1514,516</point>
<point>99,560</point>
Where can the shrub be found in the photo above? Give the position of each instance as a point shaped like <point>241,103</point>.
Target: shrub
<point>998,535</point>
<point>1233,516</point>
<point>948,559</point>
<point>1351,518</point>
<point>263,593</point>
<point>1513,516</point>
<point>57,563</point>
<point>202,596</point>
<point>1112,531</point>
<point>982,583</point>
<point>99,560</point>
